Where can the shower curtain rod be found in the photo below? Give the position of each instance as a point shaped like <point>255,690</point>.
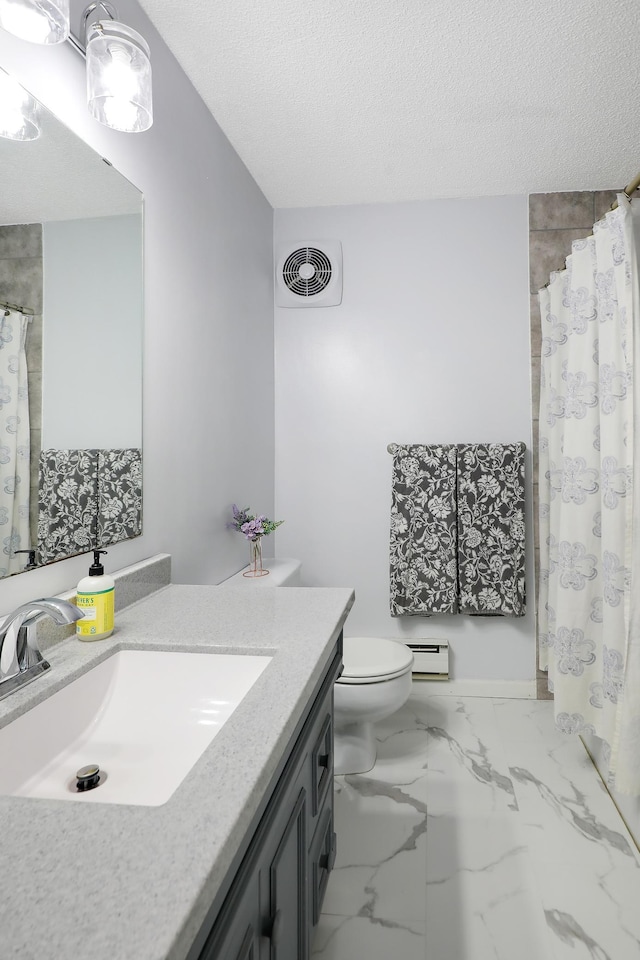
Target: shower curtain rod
<point>14,306</point>
<point>628,190</point>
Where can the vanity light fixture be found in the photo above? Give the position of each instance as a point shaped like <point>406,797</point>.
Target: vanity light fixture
<point>118,73</point>
<point>18,111</point>
<point>118,63</point>
<point>39,21</point>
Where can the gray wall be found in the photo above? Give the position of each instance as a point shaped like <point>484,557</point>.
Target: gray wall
<point>430,344</point>
<point>208,338</point>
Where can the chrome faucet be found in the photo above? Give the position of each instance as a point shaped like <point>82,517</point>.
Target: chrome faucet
<point>20,657</point>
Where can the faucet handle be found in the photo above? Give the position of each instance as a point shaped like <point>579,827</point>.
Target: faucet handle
<point>27,643</point>
<point>20,658</point>
<point>20,648</point>
<point>9,659</point>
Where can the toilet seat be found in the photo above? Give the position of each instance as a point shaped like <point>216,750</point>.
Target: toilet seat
<point>373,660</point>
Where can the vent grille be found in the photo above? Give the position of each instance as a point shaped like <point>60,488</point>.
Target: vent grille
<point>307,271</point>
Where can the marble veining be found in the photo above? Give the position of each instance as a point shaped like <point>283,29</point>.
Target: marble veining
<point>575,812</point>
<point>381,872</point>
<point>377,788</point>
<point>480,834</point>
<point>355,937</point>
<point>570,932</point>
<point>477,763</point>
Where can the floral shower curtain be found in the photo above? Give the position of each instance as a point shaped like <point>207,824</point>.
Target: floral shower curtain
<point>589,533</point>
<point>14,442</point>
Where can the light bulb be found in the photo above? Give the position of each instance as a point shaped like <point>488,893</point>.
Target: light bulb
<point>117,73</point>
<point>120,114</point>
<point>118,77</point>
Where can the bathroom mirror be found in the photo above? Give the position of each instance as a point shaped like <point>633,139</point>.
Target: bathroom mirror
<point>71,258</point>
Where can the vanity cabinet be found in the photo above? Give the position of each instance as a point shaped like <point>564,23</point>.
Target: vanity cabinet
<point>274,900</point>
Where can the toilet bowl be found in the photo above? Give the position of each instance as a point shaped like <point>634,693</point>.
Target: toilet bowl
<point>376,681</point>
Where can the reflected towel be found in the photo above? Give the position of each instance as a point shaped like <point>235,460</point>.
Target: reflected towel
<point>119,495</point>
<point>87,499</point>
<point>67,503</point>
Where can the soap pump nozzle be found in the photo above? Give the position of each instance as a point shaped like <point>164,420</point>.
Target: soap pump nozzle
<point>31,562</point>
<point>96,569</point>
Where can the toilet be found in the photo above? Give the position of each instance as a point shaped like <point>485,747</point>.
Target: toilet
<point>375,682</point>
<point>282,573</point>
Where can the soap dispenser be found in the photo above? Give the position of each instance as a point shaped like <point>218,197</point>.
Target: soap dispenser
<point>95,598</point>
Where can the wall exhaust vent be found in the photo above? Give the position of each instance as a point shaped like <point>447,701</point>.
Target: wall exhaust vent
<point>309,274</point>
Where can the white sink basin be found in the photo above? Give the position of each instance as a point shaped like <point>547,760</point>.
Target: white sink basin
<point>144,717</point>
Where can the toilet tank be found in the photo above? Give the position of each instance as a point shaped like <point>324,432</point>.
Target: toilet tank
<point>282,573</point>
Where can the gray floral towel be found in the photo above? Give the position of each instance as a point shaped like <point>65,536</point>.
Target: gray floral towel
<point>119,495</point>
<point>87,498</point>
<point>491,529</point>
<point>67,503</point>
<point>423,531</point>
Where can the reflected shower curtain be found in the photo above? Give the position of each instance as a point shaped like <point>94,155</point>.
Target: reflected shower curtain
<point>14,441</point>
<point>588,618</point>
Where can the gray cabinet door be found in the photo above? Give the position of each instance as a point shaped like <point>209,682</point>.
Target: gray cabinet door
<point>284,884</point>
<point>237,935</point>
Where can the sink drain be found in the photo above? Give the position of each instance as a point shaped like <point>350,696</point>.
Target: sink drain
<point>88,777</point>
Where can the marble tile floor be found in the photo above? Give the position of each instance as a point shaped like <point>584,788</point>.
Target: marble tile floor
<point>480,834</point>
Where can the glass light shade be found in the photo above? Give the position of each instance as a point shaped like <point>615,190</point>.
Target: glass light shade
<point>39,21</point>
<point>119,77</point>
<point>18,111</point>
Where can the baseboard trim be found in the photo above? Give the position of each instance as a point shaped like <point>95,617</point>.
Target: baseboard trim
<point>499,689</point>
<point>627,806</point>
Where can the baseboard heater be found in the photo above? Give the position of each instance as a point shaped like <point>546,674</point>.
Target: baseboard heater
<point>430,659</point>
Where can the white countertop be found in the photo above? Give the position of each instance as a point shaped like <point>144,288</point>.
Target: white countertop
<point>115,882</point>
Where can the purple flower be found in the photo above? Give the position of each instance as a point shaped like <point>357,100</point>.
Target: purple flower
<point>239,517</point>
<point>252,529</point>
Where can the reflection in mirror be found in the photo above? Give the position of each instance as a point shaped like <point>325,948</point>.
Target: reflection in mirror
<point>70,350</point>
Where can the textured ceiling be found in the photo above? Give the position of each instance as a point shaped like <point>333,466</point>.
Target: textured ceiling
<point>356,101</point>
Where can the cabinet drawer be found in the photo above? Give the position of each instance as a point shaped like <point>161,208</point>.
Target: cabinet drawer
<point>322,858</point>
<point>322,763</point>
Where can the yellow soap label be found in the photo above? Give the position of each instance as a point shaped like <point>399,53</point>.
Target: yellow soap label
<point>97,609</point>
